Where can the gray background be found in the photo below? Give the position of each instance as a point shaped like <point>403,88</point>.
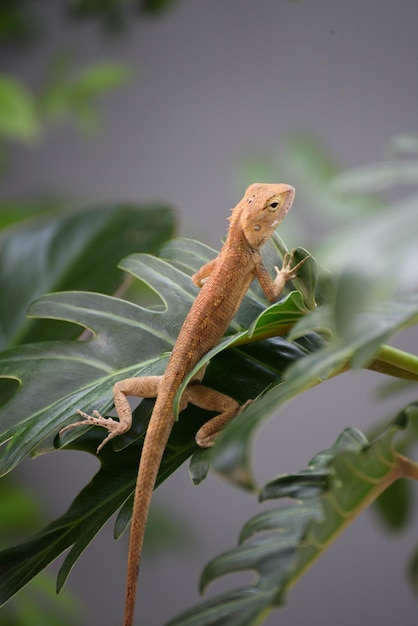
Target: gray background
<point>218,81</point>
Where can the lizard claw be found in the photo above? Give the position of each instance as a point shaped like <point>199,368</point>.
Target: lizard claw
<point>244,406</point>
<point>114,427</point>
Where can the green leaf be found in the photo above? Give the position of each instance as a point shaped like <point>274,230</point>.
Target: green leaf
<point>70,250</point>
<point>18,118</point>
<point>67,93</point>
<point>13,211</point>
<point>16,23</point>
<point>395,505</point>
<point>117,15</point>
<point>413,570</point>
<point>102,77</point>
<point>384,249</point>
<point>321,361</point>
<point>157,6</point>
<point>404,144</point>
<point>280,544</point>
<point>38,604</point>
<point>377,177</point>
<point>19,510</point>
<point>306,160</point>
<point>57,377</point>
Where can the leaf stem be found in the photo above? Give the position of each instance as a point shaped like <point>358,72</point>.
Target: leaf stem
<point>407,467</point>
<point>395,362</point>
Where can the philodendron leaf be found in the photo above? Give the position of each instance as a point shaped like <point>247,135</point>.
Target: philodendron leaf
<point>385,247</point>
<point>70,250</point>
<point>373,328</point>
<point>57,377</point>
<point>280,544</point>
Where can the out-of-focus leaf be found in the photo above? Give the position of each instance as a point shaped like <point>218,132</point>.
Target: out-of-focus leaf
<point>18,509</point>
<point>70,250</point>
<point>385,248</point>
<point>279,545</point>
<point>232,451</point>
<point>404,144</point>
<point>395,505</point>
<point>166,531</point>
<point>16,24</point>
<point>14,211</point>
<point>38,604</point>
<point>157,6</point>
<point>377,177</point>
<point>413,570</point>
<point>305,160</point>
<point>18,119</point>
<point>117,15</point>
<point>69,93</point>
<point>102,77</point>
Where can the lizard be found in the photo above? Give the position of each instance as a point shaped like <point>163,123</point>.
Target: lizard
<point>224,282</point>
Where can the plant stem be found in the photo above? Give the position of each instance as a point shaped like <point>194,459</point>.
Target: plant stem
<point>407,467</point>
<point>395,362</point>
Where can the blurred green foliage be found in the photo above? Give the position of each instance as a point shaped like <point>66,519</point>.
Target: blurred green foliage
<point>19,514</point>
<point>66,94</point>
<point>19,21</point>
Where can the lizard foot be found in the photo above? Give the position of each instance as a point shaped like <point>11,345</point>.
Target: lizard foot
<point>114,427</point>
<point>287,271</point>
<point>207,434</point>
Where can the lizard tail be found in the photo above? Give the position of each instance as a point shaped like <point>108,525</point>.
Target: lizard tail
<point>156,438</point>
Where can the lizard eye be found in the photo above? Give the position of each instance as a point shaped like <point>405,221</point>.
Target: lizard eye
<point>273,206</point>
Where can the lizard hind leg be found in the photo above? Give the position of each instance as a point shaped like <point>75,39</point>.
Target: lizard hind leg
<point>142,387</point>
<point>212,400</point>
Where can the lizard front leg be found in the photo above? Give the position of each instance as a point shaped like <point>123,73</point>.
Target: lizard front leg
<point>201,276</point>
<point>273,288</point>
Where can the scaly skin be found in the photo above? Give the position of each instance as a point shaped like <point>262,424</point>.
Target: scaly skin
<point>224,282</point>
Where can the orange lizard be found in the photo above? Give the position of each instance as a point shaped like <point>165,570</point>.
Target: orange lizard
<point>224,282</point>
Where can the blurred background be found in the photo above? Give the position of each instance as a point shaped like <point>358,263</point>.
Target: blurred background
<point>199,99</point>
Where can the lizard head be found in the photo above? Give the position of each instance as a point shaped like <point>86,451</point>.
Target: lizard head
<point>264,206</point>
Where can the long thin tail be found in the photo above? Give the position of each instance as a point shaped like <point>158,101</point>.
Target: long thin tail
<point>155,442</point>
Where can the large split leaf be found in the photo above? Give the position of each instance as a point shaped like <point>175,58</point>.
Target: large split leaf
<point>57,377</point>
<point>280,544</point>
<point>360,348</point>
<point>70,250</point>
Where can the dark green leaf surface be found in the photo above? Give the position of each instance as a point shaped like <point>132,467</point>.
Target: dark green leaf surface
<point>57,377</point>
<point>70,250</point>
